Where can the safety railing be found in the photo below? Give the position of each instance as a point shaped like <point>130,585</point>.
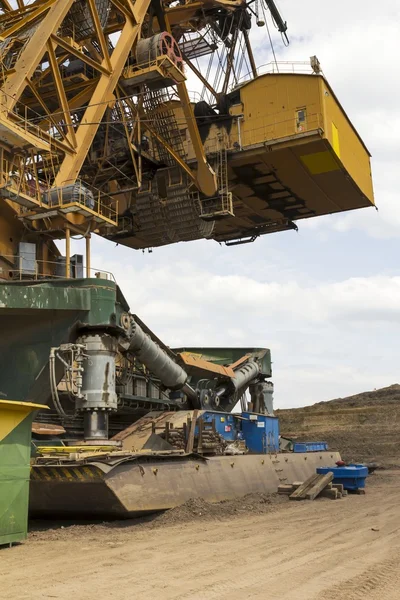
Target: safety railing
<point>83,195</point>
<point>274,128</point>
<point>26,267</point>
<point>24,118</point>
<point>275,67</point>
<point>32,194</point>
<point>271,129</point>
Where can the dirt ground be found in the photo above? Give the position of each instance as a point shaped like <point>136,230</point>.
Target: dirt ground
<point>265,548</point>
<point>364,427</point>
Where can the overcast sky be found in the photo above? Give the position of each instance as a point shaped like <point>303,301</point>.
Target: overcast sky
<point>325,300</point>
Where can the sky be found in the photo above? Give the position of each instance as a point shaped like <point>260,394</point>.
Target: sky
<point>325,300</point>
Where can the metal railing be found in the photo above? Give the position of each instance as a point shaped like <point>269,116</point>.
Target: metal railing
<point>22,268</point>
<point>79,194</point>
<point>276,67</point>
<point>84,195</point>
<point>271,129</point>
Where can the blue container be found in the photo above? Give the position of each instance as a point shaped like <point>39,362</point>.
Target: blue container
<point>225,424</point>
<point>260,432</point>
<point>310,446</point>
<point>352,477</point>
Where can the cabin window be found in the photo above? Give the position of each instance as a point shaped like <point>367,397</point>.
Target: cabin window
<point>301,119</point>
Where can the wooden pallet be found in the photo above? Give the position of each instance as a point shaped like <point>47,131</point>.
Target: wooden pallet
<point>312,487</point>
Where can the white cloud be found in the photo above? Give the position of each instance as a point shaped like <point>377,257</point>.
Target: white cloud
<point>325,338</point>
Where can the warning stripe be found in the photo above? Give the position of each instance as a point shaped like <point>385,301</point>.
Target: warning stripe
<point>62,473</point>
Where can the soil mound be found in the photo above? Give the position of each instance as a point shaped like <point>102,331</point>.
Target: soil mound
<point>193,510</point>
<point>198,508</point>
<point>364,427</point>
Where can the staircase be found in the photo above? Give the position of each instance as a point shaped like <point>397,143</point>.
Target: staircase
<point>222,205</point>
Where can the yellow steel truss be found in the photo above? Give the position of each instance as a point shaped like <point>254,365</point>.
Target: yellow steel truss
<point>50,114</point>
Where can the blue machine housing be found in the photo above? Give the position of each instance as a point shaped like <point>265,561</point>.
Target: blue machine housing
<point>260,432</point>
<point>225,424</point>
<point>310,446</point>
<point>352,476</point>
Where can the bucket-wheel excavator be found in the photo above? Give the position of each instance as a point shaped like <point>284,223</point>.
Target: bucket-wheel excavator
<point>100,135</point>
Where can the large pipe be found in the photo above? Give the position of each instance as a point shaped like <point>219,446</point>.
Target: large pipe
<point>171,375</point>
<point>243,376</point>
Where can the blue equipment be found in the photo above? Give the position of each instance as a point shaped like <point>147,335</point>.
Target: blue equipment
<point>352,477</point>
<point>310,446</point>
<point>261,433</point>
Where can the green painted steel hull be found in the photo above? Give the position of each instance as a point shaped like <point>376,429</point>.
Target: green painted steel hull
<point>134,486</point>
<point>37,315</point>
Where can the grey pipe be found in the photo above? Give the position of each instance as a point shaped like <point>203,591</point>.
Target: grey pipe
<point>158,362</point>
<point>245,374</point>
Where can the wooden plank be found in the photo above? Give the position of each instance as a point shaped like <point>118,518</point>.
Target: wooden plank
<point>299,494</point>
<point>338,486</point>
<point>190,441</point>
<point>297,484</point>
<point>319,485</point>
<point>332,494</point>
<point>285,488</point>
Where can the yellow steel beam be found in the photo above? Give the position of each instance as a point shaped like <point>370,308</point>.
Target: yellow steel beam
<point>70,167</point>
<point>62,97</point>
<point>134,162</point>
<point>50,117</point>
<point>47,71</point>
<point>131,6</point>
<point>200,76</point>
<point>122,9</point>
<point>174,154</point>
<point>67,252</point>
<point>206,180</point>
<point>182,13</point>
<point>83,57</point>
<point>82,97</point>
<point>5,5</point>
<point>33,52</point>
<point>99,33</point>
<point>25,20</point>
<point>87,239</point>
<point>250,53</point>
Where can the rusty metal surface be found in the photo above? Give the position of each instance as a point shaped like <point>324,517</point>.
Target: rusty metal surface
<point>147,484</point>
<point>47,429</point>
<point>196,362</point>
<point>240,361</point>
<point>135,436</point>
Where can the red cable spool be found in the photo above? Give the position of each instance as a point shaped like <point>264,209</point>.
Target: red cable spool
<point>162,44</point>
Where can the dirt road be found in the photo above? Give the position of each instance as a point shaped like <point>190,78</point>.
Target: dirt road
<point>345,549</point>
